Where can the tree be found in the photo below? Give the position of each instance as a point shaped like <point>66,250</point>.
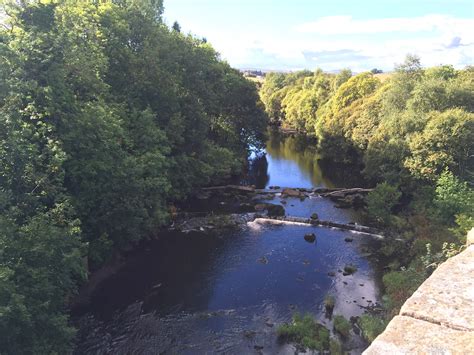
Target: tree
<point>176,26</point>
<point>454,200</point>
<point>381,201</point>
<point>445,142</point>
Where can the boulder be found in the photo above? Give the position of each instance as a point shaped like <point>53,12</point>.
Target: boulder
<point>310,237</point>
<point>275,210</point>
<point>292,193</point>
<point>261,206</point>
<point>349,269</point>
<point>314,216</point>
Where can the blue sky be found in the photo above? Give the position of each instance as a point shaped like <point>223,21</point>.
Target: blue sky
<point>332,34</point>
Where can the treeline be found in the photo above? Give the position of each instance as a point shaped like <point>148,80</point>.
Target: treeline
<point>106,117</point>
<point>411,135</point>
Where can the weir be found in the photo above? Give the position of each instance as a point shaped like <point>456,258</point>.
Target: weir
<point>357,228</point>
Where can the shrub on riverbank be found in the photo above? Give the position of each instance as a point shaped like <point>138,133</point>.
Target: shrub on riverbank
<point>305,332</point>
<point>342,325</point>
<point>371,326</point>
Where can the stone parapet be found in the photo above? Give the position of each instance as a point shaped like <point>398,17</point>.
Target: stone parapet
<point>439,317</point>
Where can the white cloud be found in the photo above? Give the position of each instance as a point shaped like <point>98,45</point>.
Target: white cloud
<point>347,25</point>
<point>333,43</point>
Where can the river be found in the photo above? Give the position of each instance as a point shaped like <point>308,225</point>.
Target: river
<point>200,293</point>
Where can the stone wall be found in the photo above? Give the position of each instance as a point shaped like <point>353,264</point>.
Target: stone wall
<point>439,317</point>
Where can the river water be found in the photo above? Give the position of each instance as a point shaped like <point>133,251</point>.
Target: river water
<point>228,292</point>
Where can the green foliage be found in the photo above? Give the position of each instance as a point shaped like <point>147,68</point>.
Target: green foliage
<point>445,142</point>
<point>371,326</point>
<point>454,200</point>
<point>106,117</point>
<point>342,325</point>
<point>335,347</point>
<point>381,201</point>
<point>40,265</point>
<point>432,260</point>
<point>305,331</point>
<point>355,88</point>
<point>399,285</point>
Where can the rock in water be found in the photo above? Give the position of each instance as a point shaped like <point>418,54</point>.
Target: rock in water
<point>314,216</point>
<point>292,193</point>
<point>310,237</point>
<point>275,210</point>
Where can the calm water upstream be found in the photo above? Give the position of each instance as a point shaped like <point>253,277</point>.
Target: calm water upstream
<point>227,293</point>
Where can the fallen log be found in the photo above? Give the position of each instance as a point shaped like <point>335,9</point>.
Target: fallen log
<point>345,192</point>
<point>240,188</point>
<point>323,191</point>
<point>282,190</point>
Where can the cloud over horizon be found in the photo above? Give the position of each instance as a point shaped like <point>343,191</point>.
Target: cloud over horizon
<point>341,41</point>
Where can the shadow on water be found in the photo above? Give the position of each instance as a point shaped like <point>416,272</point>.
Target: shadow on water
<point>229,291</point>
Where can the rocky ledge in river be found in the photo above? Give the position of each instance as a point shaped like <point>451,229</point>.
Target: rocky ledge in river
<point>211,222</point>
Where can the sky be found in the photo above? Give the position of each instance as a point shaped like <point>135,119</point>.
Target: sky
<point>332,34</point>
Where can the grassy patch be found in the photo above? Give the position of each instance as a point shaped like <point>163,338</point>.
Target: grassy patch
<point>306,332</point>
<point>335,347</point>
<point>371,326</point>
<point>342,325</point>
<point>329,303</point>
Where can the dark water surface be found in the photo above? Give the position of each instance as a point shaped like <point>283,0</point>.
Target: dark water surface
<point>227,293</point>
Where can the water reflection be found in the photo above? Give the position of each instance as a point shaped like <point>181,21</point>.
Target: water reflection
<point>291,160</point>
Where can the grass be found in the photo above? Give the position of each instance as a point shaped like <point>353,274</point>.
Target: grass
<point>306,332</point>
<point>329,302</point>
<point>335,347</point>
<point>371,326</point>
<point>342,326</point>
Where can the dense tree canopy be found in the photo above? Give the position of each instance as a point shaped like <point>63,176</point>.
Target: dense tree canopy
<point>106,117</point>
<point>405,131</point>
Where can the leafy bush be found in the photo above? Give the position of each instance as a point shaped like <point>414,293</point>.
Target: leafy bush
<point>305,331</point>
<point>454,201</point>
<point>381,201</point>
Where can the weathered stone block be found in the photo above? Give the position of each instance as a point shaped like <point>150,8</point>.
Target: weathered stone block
<point>406,335</point>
